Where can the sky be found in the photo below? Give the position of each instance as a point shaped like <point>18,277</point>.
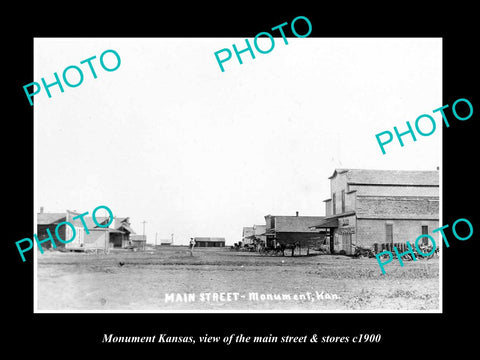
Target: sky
<point>169,139</point>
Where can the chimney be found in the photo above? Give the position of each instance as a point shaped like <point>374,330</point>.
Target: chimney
<point>41,209</point>
<point>296,213</point>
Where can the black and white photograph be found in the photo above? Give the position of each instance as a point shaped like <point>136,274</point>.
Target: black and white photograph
<point>260,188</point>
<point>223,179</point>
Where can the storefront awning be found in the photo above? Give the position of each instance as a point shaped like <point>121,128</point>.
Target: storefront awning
<point>268,232</point>
<point>326,223</point>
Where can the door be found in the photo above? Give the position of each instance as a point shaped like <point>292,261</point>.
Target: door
<point>347,243</point>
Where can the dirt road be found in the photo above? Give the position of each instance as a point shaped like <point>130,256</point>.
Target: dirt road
<point>169,279</point>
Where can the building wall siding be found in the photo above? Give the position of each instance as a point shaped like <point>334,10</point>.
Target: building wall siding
<point>296,223</point>
<point>96,239</point>
<point>337,184</point>
<point>391,207</point>
<point>346,234</point>
<point>246,233</point>
<point>79,237</point>
<point>328,207</point>
<point>376,200</point>
<point>350,199</point>
<point>260,229</point>
<point>370,231</point>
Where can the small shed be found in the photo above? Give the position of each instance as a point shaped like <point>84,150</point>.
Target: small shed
<point>209,242</point>
<point>138,241</point>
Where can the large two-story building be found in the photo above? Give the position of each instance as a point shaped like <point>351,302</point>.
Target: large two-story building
<point>379,206</point>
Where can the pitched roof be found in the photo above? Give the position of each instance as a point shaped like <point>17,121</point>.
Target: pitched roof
<point>126,228</point>
<point>327,223</point>
<point>119,221</point>
<point>296,223</point>
<point>91,224</point>
<point>331,220</point>
<point>390,177</point>
<point>88,220</point>
<point>50,218</point>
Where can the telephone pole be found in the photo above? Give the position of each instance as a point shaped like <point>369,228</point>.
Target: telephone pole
<point>144,238</point>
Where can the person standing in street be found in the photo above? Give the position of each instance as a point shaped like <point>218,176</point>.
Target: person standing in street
<point>191,246</point>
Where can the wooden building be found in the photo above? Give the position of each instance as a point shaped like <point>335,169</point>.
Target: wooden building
<point>121,232</point>
<point>88,235</point>
<point>296,231</point>
<point>368,207</point>
<point>259,234</point>
<point>209,242</point>
<point>138,241</point>
<point>50,221</point>
<point>247,235</point>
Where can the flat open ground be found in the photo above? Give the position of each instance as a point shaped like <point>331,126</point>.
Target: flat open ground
<point>147,280</point>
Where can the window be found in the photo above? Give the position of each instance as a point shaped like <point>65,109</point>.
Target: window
<point>424,232</point>
<point>343,201</point>
<point>389,230</point>
<point>272,223</point>
<point>334,204</point>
